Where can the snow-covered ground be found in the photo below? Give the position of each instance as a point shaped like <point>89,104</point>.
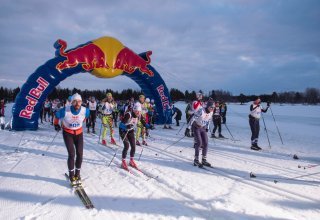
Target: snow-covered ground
<point>33,186</point>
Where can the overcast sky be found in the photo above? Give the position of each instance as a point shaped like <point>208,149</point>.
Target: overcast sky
<point>243,46</point>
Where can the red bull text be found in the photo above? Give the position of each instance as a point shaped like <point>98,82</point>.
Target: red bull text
<point>164,98</point>
<point>35,94</point>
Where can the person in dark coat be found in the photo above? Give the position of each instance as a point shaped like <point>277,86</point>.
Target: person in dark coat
<point>177,115</point>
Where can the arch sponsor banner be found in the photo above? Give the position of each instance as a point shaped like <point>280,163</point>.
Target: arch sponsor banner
<point>105,57</point>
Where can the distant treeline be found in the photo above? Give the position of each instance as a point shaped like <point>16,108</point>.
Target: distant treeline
<point>309,96</point>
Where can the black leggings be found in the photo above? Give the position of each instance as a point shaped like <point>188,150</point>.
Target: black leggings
<point>255,128</point>
<point>74,144</point>
<point>129,138</point>
<point>92,119</point>
<point>217,124</point>
<point>45,113</point>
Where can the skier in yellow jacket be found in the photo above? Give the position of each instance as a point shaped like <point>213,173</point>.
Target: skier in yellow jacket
<point>107,120</point>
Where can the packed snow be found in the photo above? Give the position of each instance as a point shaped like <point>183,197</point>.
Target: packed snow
<point>33,163</point>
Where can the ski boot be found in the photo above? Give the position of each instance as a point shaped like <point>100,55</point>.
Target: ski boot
<point>113,141</point>
<point>144,143</point>
<point>221,136</point>
<point>124,164</point>
<point>133,164</point>
<point>170,127</point>
<point>255,146</point>
<point>78,180</point>
<point>205,162</point>
<point>213,136</point>
<point>138,143</point>
<point>93,131</point>
<point>197,163</point>
<point>73,181</point>
<point>88,131</point>
<point>104,142</point>
<point>165,127</point>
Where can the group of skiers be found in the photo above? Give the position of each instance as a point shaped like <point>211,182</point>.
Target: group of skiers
<point>199,114</point>
<point>139,115</point>
<point>136,119</point>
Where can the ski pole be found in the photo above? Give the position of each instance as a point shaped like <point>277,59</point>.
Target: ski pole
<point>276,125</point>
<point>142,146</point>
<point>171,145</point>
<point>181,127</point>
<point>308,166</point>
<point>51,142</point>
<point>140,153</point>
<point>100,132</point>
<point>17,150</point>
<point>265,128</point>
<point>115,153</point>
<point>230,133</point>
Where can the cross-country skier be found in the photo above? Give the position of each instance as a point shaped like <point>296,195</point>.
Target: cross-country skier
<point>72,118</point>
<point>141,129</point>
<point>47,110</point>
<point>92,105</point>
<point>189,112</point>
<point>200,126</point>
<point>107,120</point>
<point>254,116</point>
<point>126,131</point>
<point>55,105</point>
<point>195,106</point>
<point>177,114</point>
<point>168,116</point>
<point>152,112</point>
<point>223,110</point>
<point>216,118</point>
<point>68,101</point>
<point>115,114</point>
<point>2,120</point>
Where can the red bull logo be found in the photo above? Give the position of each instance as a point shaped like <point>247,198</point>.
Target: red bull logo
<point>105,57</point>
<point>129,61</point>
<point>89,56</point>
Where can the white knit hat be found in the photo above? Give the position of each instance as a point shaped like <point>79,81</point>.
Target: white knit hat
<point>76,96</point>
<point>137,107</point>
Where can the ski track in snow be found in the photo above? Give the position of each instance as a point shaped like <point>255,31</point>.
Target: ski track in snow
<point>33,186</point>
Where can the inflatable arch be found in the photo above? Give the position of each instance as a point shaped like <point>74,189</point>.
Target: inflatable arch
<point>105,57</point>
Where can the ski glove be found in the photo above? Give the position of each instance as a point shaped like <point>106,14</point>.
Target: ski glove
<point>129,126</point>
<point>57,127</point>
